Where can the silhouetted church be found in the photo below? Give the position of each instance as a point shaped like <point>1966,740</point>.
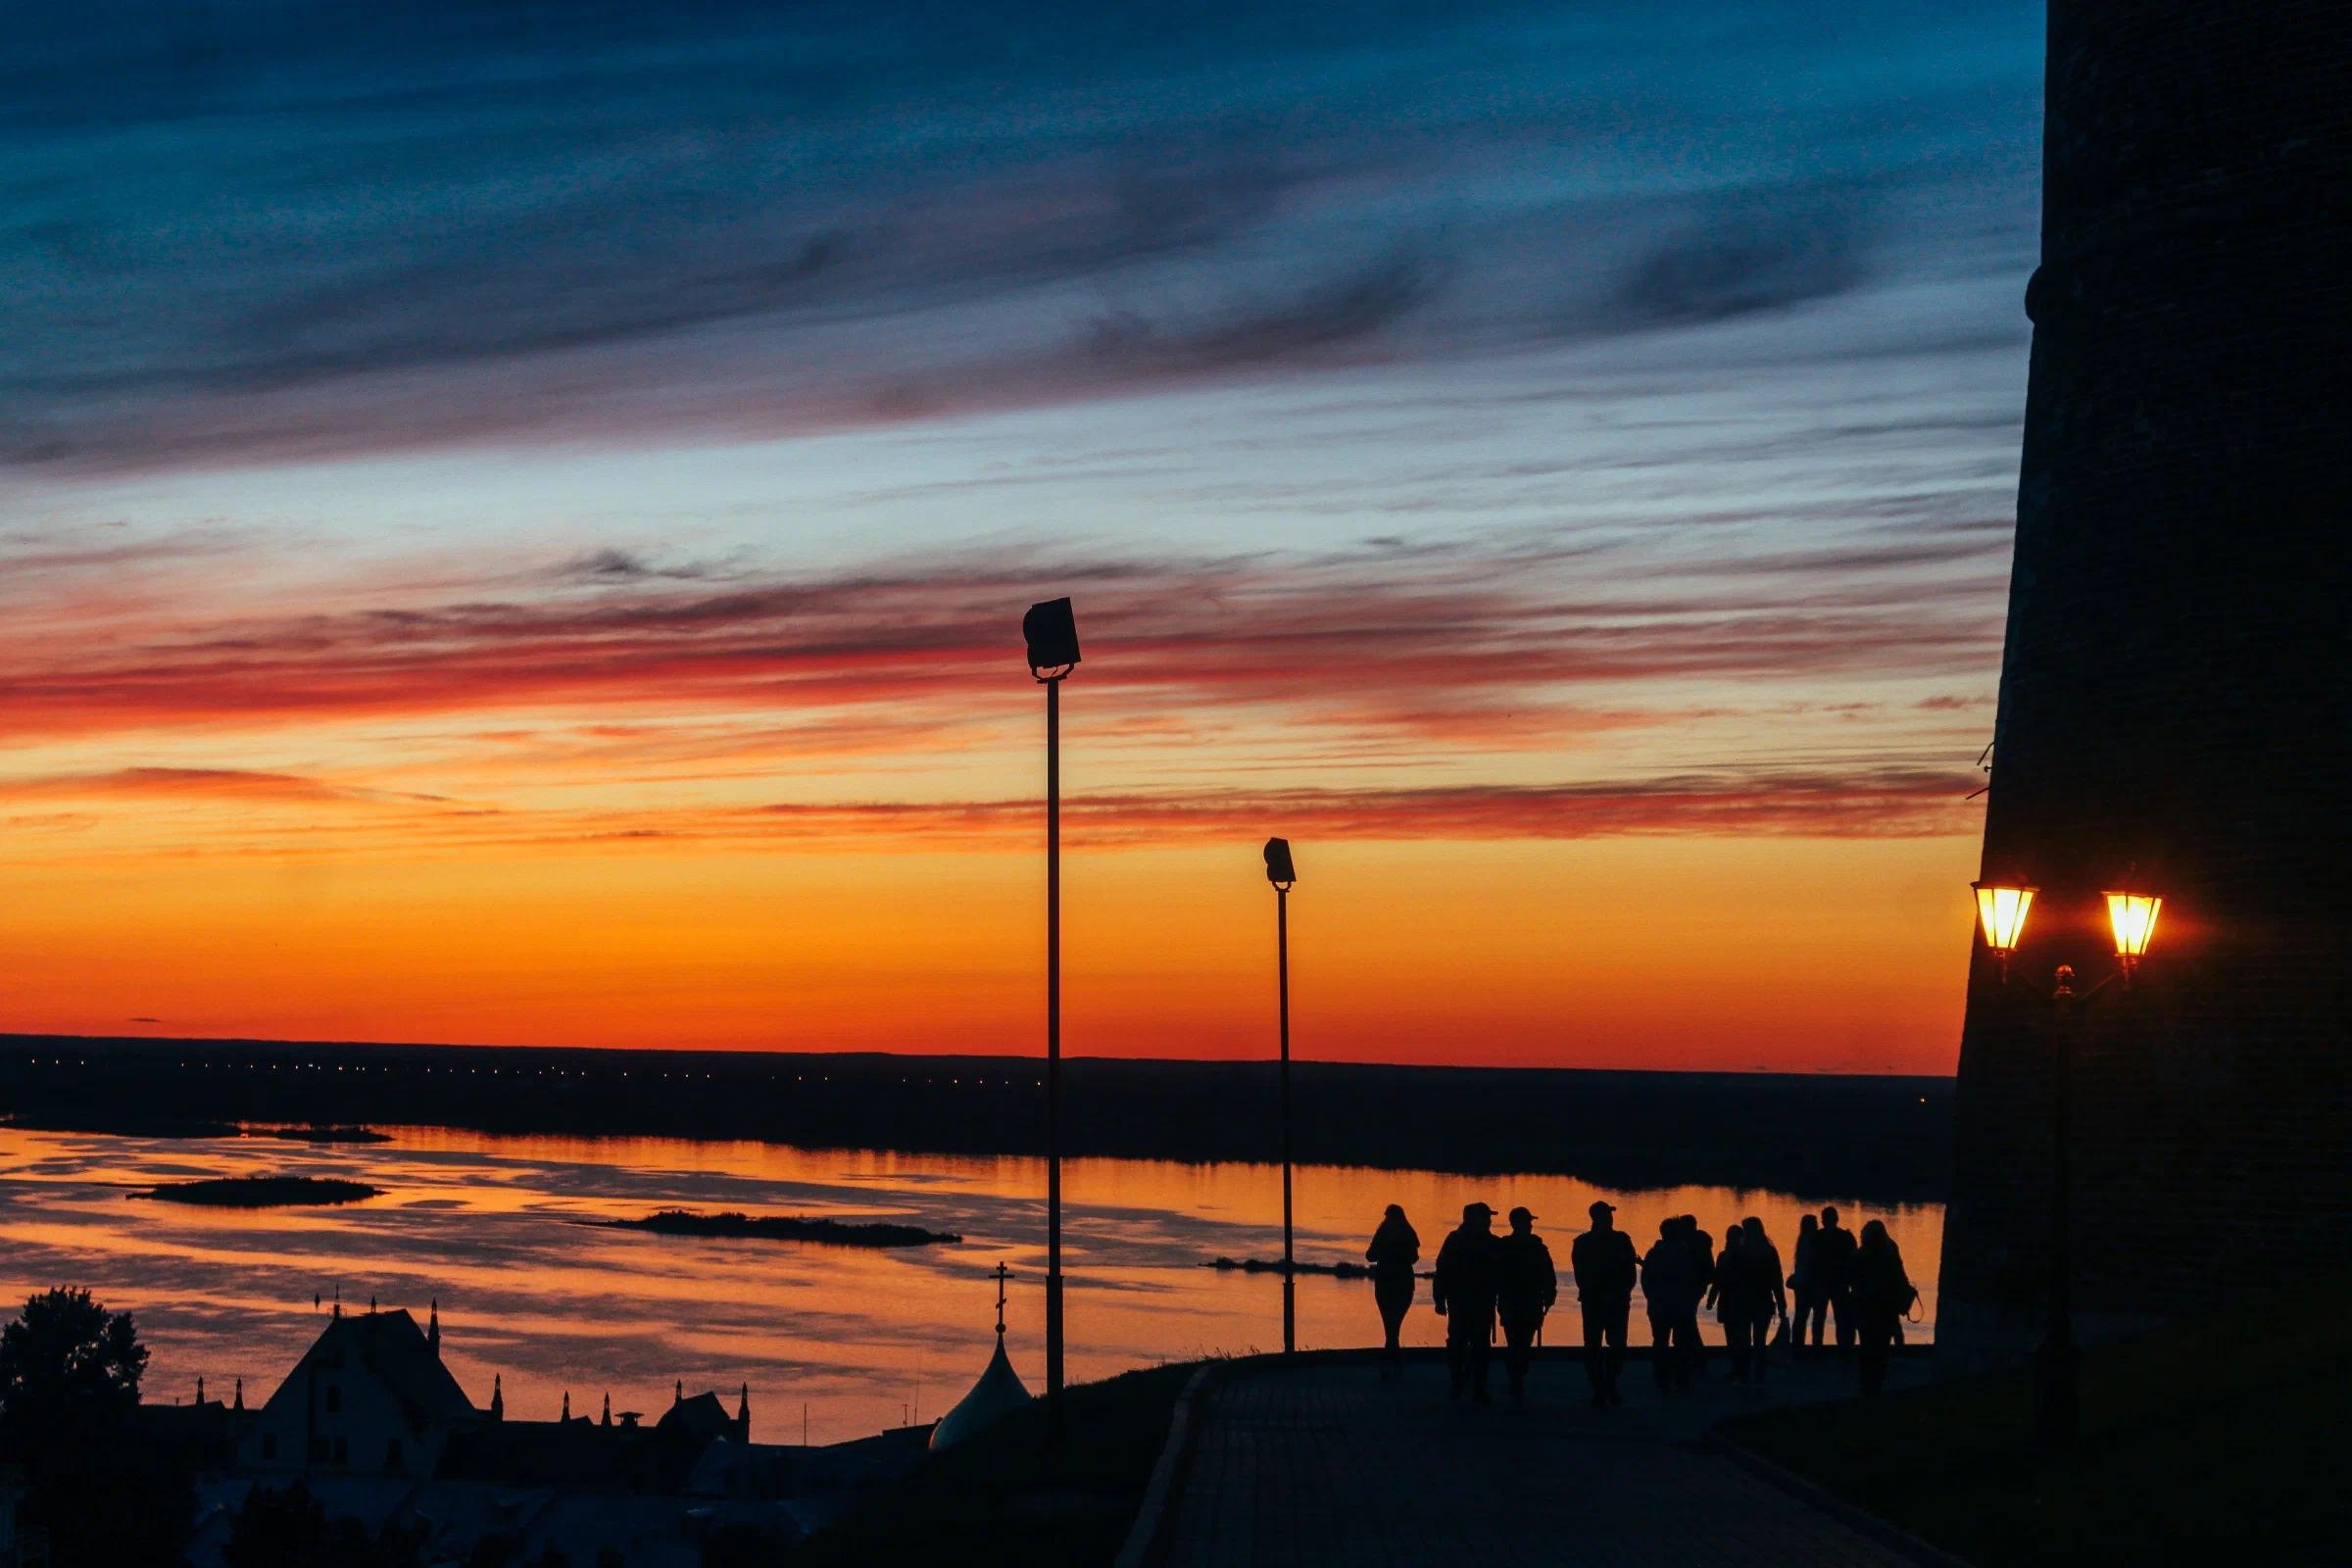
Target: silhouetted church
<point>2173,705</point>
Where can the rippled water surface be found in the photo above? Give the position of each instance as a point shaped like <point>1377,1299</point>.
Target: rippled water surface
<point>853,1340</point>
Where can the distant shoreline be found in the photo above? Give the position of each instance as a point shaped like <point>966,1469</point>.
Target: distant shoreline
<point>1875,1138</point>
<point>14,1040</point>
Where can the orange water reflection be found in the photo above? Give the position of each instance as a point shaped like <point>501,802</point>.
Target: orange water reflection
<point>856,1339</point>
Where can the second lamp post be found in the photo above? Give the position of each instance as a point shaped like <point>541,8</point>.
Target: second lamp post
<point>1051,634</point>
<point>1283,874</point>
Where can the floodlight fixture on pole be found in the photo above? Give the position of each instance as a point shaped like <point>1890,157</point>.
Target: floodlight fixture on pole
<point>1051,632</point>
<point>1284,875</point>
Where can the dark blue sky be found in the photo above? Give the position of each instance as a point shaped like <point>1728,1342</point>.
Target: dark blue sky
<point>240,231</point>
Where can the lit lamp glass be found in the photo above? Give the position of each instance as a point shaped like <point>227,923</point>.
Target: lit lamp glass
<point>2133,916</point>
<point>2001,912</point>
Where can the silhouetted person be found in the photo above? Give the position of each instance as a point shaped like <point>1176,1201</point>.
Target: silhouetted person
<point>1834,1260</point>
<point>1525,1284</point>
<point>1882,1291</point>
<point>1394,1252</point>
<point>1605,1267</point>
<point>1670,1289</point>
<point>1756,1295</point>
<point>1464,1293</point>
<point>1724,1295</point>
<point>1703,1270</point>
<point>1804,1280</point>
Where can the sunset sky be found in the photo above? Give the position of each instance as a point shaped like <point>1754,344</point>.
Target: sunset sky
<point>515,520</point>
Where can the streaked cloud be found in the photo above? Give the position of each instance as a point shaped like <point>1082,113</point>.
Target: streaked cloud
<point>287,236</point>
<point>1364,639</point>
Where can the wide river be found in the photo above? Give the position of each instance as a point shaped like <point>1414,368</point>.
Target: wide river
<point>848,1340</point>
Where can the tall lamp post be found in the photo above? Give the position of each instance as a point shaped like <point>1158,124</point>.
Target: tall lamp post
<point>1284,875</point>
<point>1051,634</point>
<point>2001,915</point>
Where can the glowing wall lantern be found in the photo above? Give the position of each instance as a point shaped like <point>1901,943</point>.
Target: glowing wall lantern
<point>2133,916</point>
<point>2002,911</point>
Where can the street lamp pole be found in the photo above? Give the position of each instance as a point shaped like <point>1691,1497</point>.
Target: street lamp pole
<point>2056,1363</point>
<point>1054,1339</point>
<point>2001,912</point>
<point>1283,874</point>
<point>1052,634</point>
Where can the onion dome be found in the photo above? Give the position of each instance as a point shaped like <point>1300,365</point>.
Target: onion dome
<point>999,1393</point>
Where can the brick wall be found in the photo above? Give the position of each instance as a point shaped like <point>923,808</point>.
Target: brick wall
<point>2174,693</point>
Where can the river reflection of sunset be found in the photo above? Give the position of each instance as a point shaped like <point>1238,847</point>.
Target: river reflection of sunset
<point>857,1337</point>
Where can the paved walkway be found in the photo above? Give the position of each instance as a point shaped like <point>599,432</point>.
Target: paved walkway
<point>1323,1463</point>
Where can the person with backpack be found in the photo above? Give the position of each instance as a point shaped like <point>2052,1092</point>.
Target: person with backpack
<point>1882,1293</point>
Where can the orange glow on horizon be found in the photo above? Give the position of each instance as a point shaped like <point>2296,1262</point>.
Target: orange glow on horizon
<point>1616,952</point>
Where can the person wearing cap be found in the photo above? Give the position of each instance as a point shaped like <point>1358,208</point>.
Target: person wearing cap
<point>1605,1269</point>
<point>1525,1284</point>
<point>1463,1291</point>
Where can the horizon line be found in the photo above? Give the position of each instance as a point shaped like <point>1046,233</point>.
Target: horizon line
<point>13,1037</point>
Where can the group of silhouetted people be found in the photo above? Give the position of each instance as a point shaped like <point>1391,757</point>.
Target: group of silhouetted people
<point>1856,1288</point>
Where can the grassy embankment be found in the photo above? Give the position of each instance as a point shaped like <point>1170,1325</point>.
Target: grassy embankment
<point>1016,1495</point>
<point>2218,1440</point>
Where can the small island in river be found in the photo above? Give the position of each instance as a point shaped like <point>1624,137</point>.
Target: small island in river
<point>317,1134</point>
<point>263,1191</point>
<point>780,1227</point>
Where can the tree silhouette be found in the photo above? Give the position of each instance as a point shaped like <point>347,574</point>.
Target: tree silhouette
<point>104,1493</point>
<point>68,1361</point>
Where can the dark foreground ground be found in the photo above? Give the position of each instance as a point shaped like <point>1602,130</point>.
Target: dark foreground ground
<point>1325,1465</point>
<point>1325,1461</point>
<point>2218,1441</point>
<point>1022,1493</point>
<point>1882,1139</point>
<point>2211,1441</point>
